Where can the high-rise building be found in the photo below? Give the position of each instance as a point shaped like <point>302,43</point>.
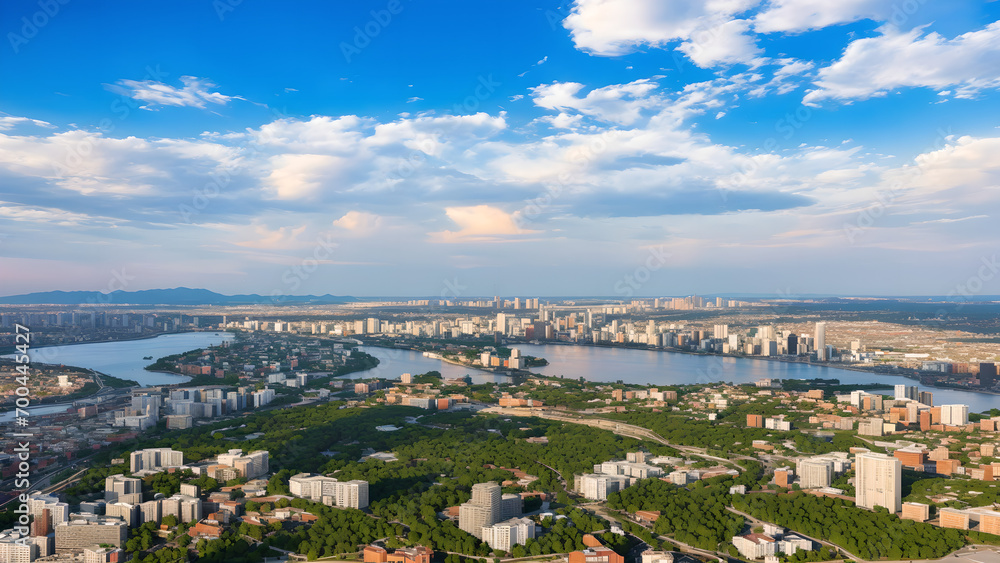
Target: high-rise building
<point>987,374</point>
<point>814,473</point>
<point>78,534</point>
<point>598,486</point>
<point>821,342</point>
<point>906,392</point>
<point>954,415</point>
<point>14,549</point>
<point>352,494</point>
<point>155,459</point>
<point>511,505</point>
<point>879,481</point>
<point>793,344</point>
<point>503,536</point>
<point>483,510</point>
<point>252,465</point>
<point>38,503</point>
<point>119,488</point>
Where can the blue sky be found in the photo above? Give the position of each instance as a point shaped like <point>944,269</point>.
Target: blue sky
<point>592,147</point>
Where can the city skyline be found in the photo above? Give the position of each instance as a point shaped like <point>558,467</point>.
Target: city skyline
<point>391,148</point>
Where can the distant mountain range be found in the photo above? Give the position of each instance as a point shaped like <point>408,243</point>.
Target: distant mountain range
<point>175,296</point>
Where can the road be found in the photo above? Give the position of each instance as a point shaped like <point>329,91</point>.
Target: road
<point>562,479</point>
<point>684,548</point>
<point>757,522</point>
<point>620,428</point>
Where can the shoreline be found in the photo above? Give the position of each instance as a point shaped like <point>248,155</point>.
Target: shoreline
<point>138,338</point>
<point>853,368</point>
<point>131,339</point>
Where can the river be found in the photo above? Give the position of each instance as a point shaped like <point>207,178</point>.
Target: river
<point>652,367</point>
<point>123,359</point>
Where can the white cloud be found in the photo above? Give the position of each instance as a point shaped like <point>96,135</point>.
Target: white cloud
<point>876,65</point>
<point>303,176</point>
<point>803,15</point>
<point>266,238</point>
<point>619,103</point>
<point>9,122</point>
<point>724,43</point>
<point>196,92</point>
<point>709,31</point>
<point>781,80</point>
<point>412,99</point>
<point>359,223</point>
<point>479,223</point>
<point>50,215</point>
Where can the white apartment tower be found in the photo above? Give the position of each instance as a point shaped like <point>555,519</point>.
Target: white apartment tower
<point>821,342</point>
<point>879,481</point>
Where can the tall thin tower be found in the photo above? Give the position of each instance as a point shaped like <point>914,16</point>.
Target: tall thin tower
<point>821,342</point>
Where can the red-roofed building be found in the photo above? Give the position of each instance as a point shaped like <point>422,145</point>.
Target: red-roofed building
<point>377,554</point>
<point>595,555</point>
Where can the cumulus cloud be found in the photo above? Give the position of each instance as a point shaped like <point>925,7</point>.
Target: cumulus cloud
<point>804,15</point>
<point>195,92</point>
<point>620,103</point>
<point>298,176</point>
<point>874,66</point>
<point>479,223</point>
<point>727,42</point>
<point>359,222</point>
<point>708,31</point>
<point>266,238</point>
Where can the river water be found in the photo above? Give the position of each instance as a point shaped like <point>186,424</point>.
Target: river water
<point>651,367</point>
<point>124,359</point>
<point>645,367</point>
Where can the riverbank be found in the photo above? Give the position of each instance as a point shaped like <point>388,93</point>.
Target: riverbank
<point>11,350</point>
<point>494,370</point>
<point>804,362</point>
